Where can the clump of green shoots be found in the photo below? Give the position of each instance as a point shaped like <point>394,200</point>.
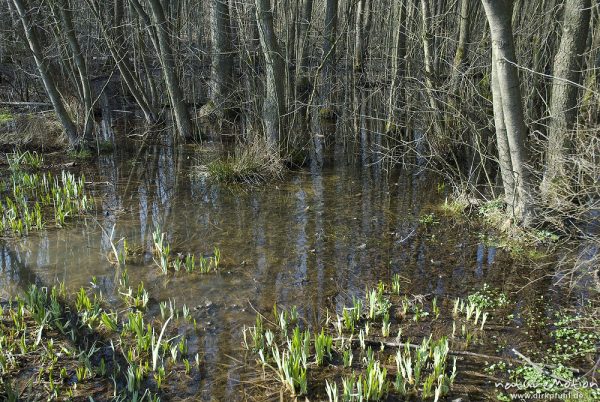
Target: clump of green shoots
<point>378,304</point>
<point>36,199</point>
<point>164,260</point>
<point>422,372</point>
<point>323,344</point>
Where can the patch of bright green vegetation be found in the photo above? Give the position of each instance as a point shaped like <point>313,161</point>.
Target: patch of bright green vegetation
<point>5,116</point>
<point>56,345</point>
<point>488,298</point>
<point>32,201</point>
<point>574,342</point>
<point>546,236</point>
<point>348,358</point>
<point>454,207</point>
<point>188,262</point>
<point>428,219</point>
<point>18,160</point>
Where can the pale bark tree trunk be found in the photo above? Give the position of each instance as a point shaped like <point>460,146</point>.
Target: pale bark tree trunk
<point>499,16</point>
<point>396,96</point>
<point>329,49</point>
<point>167,61</point>
<point>563,102</point>
<point>430,73</point>
<point>274,102</point>
<point>222,56</point>
<point>49,84</point>
<point>66,18</point>
<point>506,169</point>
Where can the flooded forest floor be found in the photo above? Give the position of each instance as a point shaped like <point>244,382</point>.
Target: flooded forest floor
<point>133,276</point>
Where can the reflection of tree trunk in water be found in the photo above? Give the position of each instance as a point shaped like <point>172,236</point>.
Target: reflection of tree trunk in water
<point>20,274</point>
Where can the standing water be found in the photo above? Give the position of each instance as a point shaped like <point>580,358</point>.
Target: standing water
<point>314,240</point>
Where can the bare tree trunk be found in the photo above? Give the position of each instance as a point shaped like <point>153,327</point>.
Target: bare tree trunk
<point>563,101</point>
<point>460,57</point>
<point>49,84</point>
<point>430,73</point>
<point>396,95</point>
<point>305,24</point>
<point>329,48</point>
<point>167,61</point>
<point>274,102</point>
<point>499,16</point>
<point>222,56</point>
<point>504,160</point>
<point>66,18</point>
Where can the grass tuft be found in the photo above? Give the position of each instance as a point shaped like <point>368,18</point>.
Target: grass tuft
<point>249,164</point>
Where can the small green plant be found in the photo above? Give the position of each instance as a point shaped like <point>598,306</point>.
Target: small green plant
<point>162,251</point>
<point>323,344</point>
<point>428,219</point>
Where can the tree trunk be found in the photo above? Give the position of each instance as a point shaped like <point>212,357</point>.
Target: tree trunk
<point>222,57</point>
<point>504,160</point>
<point>305,23</point>
<point>329,49</point>
<point>66,18</point>
<point>49,84</point>
<point>499,16</point>
<point>460,57</point>
<point>563,101</point>
<point>167,62</point>
<point>430,73</point>
<point>396,95</point>
<point>274,102</point>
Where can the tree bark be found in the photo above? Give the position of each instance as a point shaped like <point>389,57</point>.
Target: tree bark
<point>329,48</point>
<point>304,27</point>
<point>460,57</point>
<point>430,73</point>
<point>49,84</point>
<point>396,95</point>
<point>499,16</point>
<point>66,18</point>
<point>504,160</point>
<point>167,61</point>
<point>222,57</point>
<point>563,102</point>
<point>274,102</point>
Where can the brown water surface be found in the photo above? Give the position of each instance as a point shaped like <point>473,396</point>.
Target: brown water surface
<point>314,240</point>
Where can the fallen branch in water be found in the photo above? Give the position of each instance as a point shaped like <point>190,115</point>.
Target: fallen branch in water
<point>522,360</point>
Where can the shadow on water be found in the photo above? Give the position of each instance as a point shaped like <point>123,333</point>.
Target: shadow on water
<point>314,240</point>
